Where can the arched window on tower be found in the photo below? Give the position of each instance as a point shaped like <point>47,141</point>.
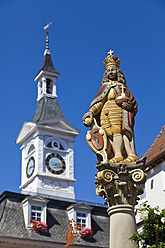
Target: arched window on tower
<point>48,86</point>
<point>31,148</point>
<point>55,144</point>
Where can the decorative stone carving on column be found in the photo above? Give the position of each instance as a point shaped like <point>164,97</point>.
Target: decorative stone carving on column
<point>120,183</point>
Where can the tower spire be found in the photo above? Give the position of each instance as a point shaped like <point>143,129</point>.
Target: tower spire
<point>47,40</point>
<point>47,75</point>
<point>47,34</point>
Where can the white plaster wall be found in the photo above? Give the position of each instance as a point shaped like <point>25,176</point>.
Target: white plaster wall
<point>23,179</point>
<point>30,187</point>
<point>26,214</point>
<point>55,193</point>
<point>43,181</point>
<point>40,156</point>
<point>156,195</point>
<point>71,161</point>
<point>71,187</point>
<point>25,159</point>
<point>163,175</point>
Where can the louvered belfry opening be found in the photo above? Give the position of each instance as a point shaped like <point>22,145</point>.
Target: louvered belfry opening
<point>48,86</point>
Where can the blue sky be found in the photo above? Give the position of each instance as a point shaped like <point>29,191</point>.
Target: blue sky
<point>81,34</point>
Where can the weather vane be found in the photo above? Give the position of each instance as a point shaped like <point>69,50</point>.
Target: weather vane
<point>47,26</point>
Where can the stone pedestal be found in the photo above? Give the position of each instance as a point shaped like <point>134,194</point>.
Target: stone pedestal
<point>120,185</point>
<point>122,224</point>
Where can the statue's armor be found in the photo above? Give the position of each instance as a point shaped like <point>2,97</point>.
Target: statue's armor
<point>111,115</point>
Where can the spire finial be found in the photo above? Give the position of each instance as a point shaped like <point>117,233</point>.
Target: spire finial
<point>47,35</point>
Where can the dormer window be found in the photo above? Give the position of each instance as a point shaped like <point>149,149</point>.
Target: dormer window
<point>80,213</point>
<point>34,207</point>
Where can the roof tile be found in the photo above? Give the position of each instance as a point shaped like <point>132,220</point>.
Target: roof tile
<point>12,224</point>
<point>157,149</point>
<point>48,109</point>
<point>47,64</point>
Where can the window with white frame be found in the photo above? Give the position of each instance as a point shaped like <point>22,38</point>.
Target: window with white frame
<point>81,219</point>
<point>34,207</point>
<point>36,212</point>
<point>80,213</point>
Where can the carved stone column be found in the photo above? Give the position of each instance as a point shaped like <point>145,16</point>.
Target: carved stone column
<point>122,224</point>
<point>120,184</point>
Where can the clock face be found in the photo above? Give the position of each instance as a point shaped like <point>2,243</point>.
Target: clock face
<point>55,163</point>
<point>30,167</point>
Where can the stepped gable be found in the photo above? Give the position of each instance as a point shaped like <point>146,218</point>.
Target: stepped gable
<point>156,153</point>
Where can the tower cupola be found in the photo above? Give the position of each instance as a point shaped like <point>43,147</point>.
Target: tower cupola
<point>47,75</point>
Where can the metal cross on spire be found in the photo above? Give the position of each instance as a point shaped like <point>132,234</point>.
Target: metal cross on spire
<point>110,52</point>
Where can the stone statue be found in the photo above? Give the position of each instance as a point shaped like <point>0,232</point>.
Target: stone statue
<point>120,173</point>
<point>111,117</point>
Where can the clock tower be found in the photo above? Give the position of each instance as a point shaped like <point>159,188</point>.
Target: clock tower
<point>47,141</point>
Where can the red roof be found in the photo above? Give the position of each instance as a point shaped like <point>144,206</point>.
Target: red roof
<point>156,153</point>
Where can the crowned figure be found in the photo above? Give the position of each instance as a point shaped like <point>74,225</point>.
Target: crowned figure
<point>111,117</point>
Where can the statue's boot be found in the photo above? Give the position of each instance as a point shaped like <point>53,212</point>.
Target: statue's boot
<point>131,158</point>
<point>116,159</point>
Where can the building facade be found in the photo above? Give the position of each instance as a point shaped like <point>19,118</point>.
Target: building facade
<point>154,188</point>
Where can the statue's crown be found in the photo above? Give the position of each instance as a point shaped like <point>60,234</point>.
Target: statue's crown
<point>111,60</point>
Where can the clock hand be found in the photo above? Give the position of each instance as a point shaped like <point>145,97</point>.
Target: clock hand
<point>58,163</point>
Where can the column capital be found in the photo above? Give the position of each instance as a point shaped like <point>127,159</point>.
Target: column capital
<point>120,183</point>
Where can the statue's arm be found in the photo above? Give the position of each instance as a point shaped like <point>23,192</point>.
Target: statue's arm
<point>93,111</point>
<point>96,108</point>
